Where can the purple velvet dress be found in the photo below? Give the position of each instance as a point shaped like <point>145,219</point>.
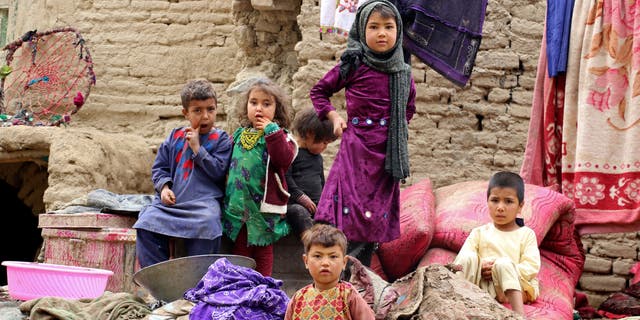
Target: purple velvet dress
<point>359,196</point>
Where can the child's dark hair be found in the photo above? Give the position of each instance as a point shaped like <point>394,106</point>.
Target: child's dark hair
<point>198,89</point>
<point>505,179</point>
<point>384,11</point>
<point>281,116</point>
<point>325,235</point>
<point>308,123</point>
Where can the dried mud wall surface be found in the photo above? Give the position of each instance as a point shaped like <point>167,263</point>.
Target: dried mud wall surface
<point>144,51</point>
<point>80,160</point>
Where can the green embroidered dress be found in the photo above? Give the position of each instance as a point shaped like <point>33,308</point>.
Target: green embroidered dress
<point>245,190</point>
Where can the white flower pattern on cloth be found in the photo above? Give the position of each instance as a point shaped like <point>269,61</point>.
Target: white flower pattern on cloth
<point>588,190</point>
<point>349,5</point>
<point>568,189</point>
<point>633,190</point>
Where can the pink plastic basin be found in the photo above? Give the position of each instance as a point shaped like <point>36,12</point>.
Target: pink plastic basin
<point>31,280</point>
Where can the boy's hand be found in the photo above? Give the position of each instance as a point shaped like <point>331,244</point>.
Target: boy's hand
<point>167,196</point>
<point>485,270</point>
<point>306,202</point>
<point>261,122</point>
<point>193,137</point>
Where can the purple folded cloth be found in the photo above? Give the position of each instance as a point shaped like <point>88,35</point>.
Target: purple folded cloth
<point>444,34</point>
<point>228,291</point>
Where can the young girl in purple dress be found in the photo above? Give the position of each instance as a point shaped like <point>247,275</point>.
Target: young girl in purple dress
<point>361,194</point>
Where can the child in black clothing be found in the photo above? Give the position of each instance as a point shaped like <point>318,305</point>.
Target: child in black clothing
<point>305,177</point>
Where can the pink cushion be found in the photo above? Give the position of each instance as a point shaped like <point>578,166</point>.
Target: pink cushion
<point>556,294</point>
<point>463,206</point>
<point>400,257</point>
<point>437,255</point>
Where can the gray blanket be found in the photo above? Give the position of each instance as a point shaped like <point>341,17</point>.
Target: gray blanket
<point>101,200</point>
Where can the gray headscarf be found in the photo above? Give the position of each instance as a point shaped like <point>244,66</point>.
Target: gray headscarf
<point>392,62</point>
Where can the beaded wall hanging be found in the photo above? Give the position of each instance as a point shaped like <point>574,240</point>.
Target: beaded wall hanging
<point>46,79</point>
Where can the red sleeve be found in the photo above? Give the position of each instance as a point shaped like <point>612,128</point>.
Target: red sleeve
<point>282,149</point>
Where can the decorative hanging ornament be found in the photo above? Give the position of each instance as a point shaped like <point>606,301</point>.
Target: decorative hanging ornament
<point>78,100</point>
<point>48,76</point>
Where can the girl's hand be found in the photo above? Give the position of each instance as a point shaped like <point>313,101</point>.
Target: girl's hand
<point>167,196</point>
<point>261,122</point>
<point>193,137</point>
<point>339,124</point>
<point>485,270</point>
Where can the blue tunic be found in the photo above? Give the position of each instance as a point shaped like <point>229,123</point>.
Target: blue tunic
<point>197,181</point>
<point>359,196</point>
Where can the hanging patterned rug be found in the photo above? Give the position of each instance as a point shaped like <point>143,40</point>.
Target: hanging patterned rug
<point>584,135</point>
<point>46,78</point>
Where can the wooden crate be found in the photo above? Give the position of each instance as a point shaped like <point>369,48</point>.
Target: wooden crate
<point>85,243</point>
<point>87,220</point>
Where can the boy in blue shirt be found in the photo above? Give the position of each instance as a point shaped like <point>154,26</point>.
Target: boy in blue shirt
<point>188,175</point>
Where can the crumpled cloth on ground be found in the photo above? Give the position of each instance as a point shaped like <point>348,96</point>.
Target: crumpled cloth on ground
<point>101,200</point>
<point>176,310</point>
<point>623,304</point>
<point>378,293</point>
<point>228,291</point>
<point>109,306</point>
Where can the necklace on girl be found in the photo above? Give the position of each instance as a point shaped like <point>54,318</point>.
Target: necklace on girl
<point>249,138</point>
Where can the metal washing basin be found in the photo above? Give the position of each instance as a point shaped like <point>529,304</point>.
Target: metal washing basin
<point>168,280</point>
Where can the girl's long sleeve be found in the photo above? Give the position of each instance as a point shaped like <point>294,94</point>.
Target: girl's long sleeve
<point>324,89</point>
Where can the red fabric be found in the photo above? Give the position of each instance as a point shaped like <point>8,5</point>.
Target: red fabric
<point>582,137</point>
<point>541,163</point>
<point>377,267</point>
<point>620,303</point>
<point>610,315</point>
<point>635,270</point>
<point>417,212</point>
<point>583,307</point>
<point>263,255</point>
<point>463,206</point>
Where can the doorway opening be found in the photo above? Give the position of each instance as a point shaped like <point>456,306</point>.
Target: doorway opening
<point>22,186</point>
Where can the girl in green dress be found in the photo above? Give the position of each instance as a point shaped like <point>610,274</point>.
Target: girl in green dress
<point>256,194</point>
